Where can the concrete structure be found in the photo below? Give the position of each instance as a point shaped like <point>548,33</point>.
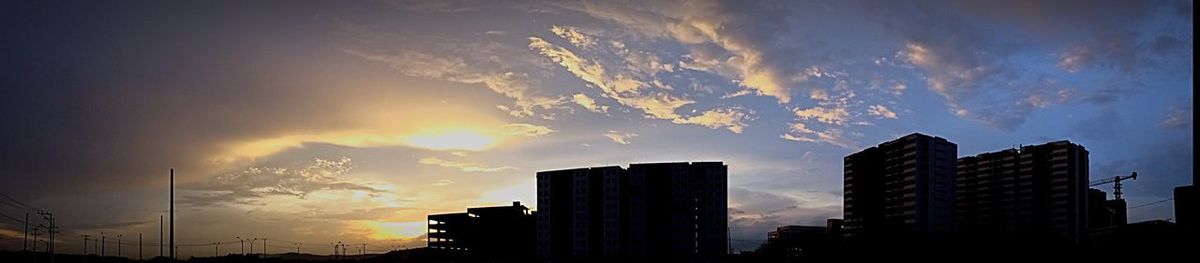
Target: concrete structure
<point>900,188</point>
<point>494,232</point>
<point>1038,191</point>
<point>794,243</point>
<point>676,210</point>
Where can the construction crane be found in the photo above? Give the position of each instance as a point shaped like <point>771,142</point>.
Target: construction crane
<point>1116,181</point>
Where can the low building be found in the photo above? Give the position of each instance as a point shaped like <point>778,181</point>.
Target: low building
<point>495,232</point>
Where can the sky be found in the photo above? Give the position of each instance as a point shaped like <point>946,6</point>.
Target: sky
<point>327,121</point>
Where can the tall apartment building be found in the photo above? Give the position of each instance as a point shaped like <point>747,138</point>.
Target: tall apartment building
<point>657,209</point>
<point>900,188</point>
<point>1038,191</point>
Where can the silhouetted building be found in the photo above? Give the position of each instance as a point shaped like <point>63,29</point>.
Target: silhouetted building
<point>494,232</point>
<point>1151,238</point>
<point>659,209</point>
<point>1098,214</point>
<point>796,243</point>
<point>1185,206</point>
<point>1103,212</point>
<point>1032,192</point>
<point>900,188</point>
<point>1117,211</point>
<point>836,230</point>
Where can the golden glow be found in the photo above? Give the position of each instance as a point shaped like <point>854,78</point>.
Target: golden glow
<point>467,139</point>
<point>393,230</point>
<point>456,139</point>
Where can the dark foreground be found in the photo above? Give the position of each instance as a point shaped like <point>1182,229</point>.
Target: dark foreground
<point>1177,247</point>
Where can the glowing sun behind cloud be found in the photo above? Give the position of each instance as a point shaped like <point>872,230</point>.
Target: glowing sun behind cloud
<point>392,230</point>
<point>455,139</point>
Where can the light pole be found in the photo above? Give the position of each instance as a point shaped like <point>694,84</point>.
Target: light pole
<point>335,249</point>
<point>243,245</point>
<point>118,245</point>
<point>85,239</point>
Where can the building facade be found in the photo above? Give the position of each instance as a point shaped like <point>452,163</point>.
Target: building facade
<point>495,232</point>
<point>656,209</point>
<point>903,187</point>
<point>1038,191</point>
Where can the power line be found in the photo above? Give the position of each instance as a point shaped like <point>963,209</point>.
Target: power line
<point>1150,203</point>
<point>13,218</point>
<point>26,206</point>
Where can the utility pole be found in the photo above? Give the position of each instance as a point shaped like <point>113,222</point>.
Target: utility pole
<point>35,234</point>
<point>160,235</point>
<point>172,213</point>
<point>49,229</point>
<point>85,239</point>
<point>139,246</point>
<point>102,247</point>
<point>25,242</point>
<point>118,245</point>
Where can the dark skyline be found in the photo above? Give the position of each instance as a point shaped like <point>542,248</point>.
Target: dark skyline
<point>312,121</point>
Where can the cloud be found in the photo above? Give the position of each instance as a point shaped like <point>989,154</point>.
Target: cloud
<point>705,24</point>
<point>619,137</point>
<point>574,35</point>
<point>489,64</point>
<point>835,136</point>
<point>589,104</point>
<point>732,119</point>
<point>992,77</point>
<point>1117,50</point>
<point>630,91</point>
<point>753,213</point>
<point>443,182</point>
<point>837,116</point>
<point>622,88</point>
<point>464,166</point>
<point>525,129</point>
<point>980,86</point>
<point>257,182</point>
<point>881,111</point>
<point>1178,117</point>
<point>836,111</point>
<point>444,6</point>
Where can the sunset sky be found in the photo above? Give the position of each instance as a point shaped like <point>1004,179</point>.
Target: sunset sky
<point>350,121</point>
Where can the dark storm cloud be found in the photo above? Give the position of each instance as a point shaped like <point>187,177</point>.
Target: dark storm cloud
<point>105,94</point>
